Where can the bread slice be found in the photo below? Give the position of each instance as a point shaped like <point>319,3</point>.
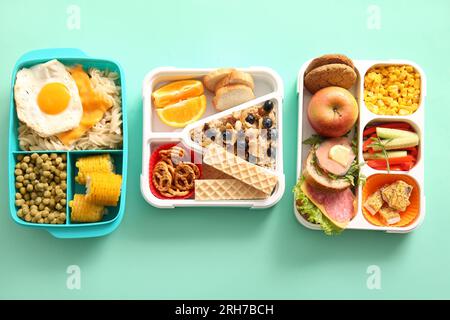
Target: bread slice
<point>320,180</point>
<point>329,59</point>
<point>211,79</point>
<point>231,96</point>
<point>236,77</point>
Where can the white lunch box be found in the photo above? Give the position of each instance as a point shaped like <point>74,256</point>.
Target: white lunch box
<point>416,120</point>
<point>268,86</point>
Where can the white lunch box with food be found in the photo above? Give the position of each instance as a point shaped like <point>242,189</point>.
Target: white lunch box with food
<point>360,161</point>
<point>212,137</point>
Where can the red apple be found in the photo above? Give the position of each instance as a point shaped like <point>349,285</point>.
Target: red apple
<point>332,111</point>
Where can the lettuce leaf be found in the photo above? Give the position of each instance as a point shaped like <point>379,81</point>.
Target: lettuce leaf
<point>312,213</point>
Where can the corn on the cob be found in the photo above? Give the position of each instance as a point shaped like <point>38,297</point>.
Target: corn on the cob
<point>98,163</point>
<point>85,211</point>
<point>103,188</point>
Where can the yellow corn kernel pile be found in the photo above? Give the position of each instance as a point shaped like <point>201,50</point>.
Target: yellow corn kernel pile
<point>392,90</point>
<point>85,211</point>
<point>98,163</point>
<point>103,188</point>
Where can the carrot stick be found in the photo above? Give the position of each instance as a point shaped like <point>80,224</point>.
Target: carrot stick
<point>399,160</point>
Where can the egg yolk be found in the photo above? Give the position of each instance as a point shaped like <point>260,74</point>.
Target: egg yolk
<point>94,104</point>
<point>53,98</point>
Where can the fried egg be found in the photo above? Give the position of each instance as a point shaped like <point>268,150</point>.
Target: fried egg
<point>47,98</point>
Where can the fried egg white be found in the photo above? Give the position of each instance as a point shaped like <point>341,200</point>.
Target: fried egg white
<point>47,98</point>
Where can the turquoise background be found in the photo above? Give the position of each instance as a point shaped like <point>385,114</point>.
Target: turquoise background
<point>232,253</point>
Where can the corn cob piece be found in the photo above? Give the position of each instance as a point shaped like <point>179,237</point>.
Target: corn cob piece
<point>103,188</point>
<point>99,163</point>
<point>85,211</point>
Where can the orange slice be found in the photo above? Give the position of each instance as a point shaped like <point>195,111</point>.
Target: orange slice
<point>377,181</point>
<point>176,91</point>
<point>180,114</point>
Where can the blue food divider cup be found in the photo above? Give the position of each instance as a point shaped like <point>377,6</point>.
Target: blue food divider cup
<point>70,56</point>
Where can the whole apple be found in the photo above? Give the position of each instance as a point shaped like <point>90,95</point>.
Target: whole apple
<point>332,111</point>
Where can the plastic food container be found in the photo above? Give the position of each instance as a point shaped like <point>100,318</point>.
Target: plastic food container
<point>268,86</point>
<point>70,56</point>
<point>416,120</point>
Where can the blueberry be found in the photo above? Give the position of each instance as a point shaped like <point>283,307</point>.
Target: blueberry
<point>250,119</point>
<point>271,152</point>
<point>268,106</point>
<point>267,122</point>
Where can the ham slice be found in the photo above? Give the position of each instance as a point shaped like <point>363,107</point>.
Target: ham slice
<point>339,207</point>
<point>329,165</point>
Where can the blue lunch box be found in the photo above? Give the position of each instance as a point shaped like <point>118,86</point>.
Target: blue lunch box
<point>70,56</point>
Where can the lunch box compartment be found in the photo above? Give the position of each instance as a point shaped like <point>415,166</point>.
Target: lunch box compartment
<point>413,124</point>
<point>75,188</point>
<point>268,86</point>
<point>393,63</point>
<point>12,189</point>
<point>70,56</point>
<point>264,84</point>
<point>382,179</point>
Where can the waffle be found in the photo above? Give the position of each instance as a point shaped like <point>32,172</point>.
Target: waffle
<point>210,173</point>
<point>226,189</point>
<point>240,169</point>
